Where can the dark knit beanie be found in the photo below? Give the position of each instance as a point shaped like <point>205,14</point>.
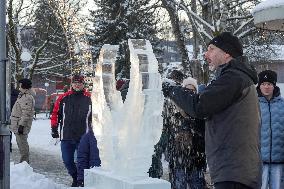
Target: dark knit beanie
<point>228,43</point>
<point>267,76</point>
<point>26,83</point>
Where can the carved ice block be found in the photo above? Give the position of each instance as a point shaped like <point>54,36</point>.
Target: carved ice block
<point>100,179</point>
<point>108,68</point>
<point>139,43</point>
<point>150,80</point>
<point>126,142</point>
<point>143,62</point>
<point>109,53</point>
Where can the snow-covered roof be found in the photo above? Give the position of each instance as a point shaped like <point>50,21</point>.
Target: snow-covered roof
<point>268,4</point>
<point>269,15</point>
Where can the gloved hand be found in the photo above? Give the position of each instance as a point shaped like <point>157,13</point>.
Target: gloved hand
<point>21,130</point>
<point>54,132</point>
<point>166,88</point>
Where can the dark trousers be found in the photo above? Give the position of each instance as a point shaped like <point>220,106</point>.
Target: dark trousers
<point>230,185</point>
<point>68,149</point>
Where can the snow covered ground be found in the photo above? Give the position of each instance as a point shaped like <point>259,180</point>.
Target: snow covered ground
<point>23,176</point>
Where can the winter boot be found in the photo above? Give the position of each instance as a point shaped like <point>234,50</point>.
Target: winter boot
<point>74,183</point>
<point>80,183</point>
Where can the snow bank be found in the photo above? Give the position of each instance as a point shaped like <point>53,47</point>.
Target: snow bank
<point>23,177</point>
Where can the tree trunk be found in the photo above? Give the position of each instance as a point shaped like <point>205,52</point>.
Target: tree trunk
<point>12,36</point>
<point>178,35</point>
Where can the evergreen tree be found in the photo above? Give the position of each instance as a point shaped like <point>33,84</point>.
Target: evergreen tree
<point>55,55</point>
<point>116,21</point>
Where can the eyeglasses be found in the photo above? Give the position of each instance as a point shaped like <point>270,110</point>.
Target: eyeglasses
<point>267,84</point>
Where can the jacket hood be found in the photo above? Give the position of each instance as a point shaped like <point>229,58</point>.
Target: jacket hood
<point>241,63</point>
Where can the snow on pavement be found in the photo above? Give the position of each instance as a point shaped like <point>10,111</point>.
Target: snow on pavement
<point>22,175</point>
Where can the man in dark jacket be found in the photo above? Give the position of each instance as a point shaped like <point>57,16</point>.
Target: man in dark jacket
<point>230,106</point>
<point>72,114</point>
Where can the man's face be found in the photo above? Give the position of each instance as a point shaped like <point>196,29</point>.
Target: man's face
<point>215,57</point>
<point>266,89</point>
<point>78,86</point>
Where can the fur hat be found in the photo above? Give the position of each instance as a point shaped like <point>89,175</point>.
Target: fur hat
<point>228,43</point>
<point>26,83</point>
<point>267,76</point>
<point>78,79</point>
<point>190,81</point>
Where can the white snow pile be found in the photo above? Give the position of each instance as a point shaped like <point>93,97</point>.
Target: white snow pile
<point>23,177</point>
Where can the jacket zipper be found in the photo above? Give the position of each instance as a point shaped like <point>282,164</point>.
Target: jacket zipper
<point>270,134</point>
<point>270,147</point>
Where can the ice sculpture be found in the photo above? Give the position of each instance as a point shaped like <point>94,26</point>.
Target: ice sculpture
<point>127,132</point>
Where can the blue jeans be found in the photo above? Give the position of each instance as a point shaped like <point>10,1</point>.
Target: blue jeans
<point>68,149</point>
<point>193,180</point>
<point>272,175</point>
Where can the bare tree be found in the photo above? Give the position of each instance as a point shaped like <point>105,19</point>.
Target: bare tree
<point>175,22</point>
<point>209,18</point>
<point>20,16</point>
<point>67,14</point>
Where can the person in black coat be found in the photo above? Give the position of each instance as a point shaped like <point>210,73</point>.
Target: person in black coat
<point>170,118</point>
<point>187,161</point>
<point>87,155</point>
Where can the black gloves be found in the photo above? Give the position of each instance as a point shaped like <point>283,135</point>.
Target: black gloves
<point>167,88</point>
<point>21,130</point>
<point>54,132</point>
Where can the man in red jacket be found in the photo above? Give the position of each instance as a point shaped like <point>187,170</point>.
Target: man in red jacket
<point>72,115</point>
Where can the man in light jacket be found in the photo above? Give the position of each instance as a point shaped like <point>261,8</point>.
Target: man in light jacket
<point>272,130</point>
<point>22,117</point>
